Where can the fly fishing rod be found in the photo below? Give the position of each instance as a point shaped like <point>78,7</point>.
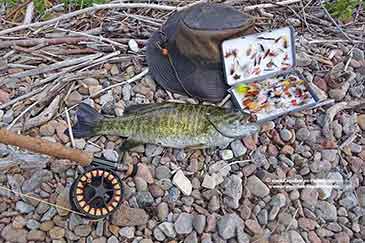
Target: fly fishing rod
<point>98,191</point>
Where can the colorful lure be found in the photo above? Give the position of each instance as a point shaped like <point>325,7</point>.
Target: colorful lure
<point>273,94</point>
<point>242,89</point>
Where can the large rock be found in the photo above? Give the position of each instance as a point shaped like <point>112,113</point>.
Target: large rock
<point>361,196</point>
<point>36,235</point>
<point>127,232</point>
<point>184,223</point>
<point>238,148</point>
<point>182,182</point>
<point>253,227</point>
<point>9,234</point>
<point>326,210</point>
<point>162,211</point>
<point>35,180</point>
<point>199,222</point>
<point>63,201</point>
<point>125,216</point>
<point>295,237</point>
<point>168,229</point>
<point>144,199</point>
<point>83,230</point>
<point>227,225</point>
<point>57,233</point>
<point>232,191</point>
<point>192,238</point>
<point>257,187</point>
<point>23,207</point>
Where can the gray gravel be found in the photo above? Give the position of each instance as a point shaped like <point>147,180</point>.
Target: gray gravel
<point>191,196</point>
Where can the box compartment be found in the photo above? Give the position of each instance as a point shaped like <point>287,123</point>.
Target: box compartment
<point>261,70</point>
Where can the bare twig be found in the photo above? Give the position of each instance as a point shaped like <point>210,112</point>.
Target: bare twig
<point>44,117</point>
<point>348,141</point>
<point>18,8</point>
<point>90,9</point>
<point>292,220</point>
<point>22,114</point>
<point>20,98</point>
<point>235,162</point>
<point>45,41</point>
<point>29,13</point>
<point>135,78</point>
<point>332,111</point>
<point>70,128</point>
<point>335,41</point>
<point>40,70</point>
<point>224,101</point>
<point>98,38</point>
<point>334,21</point>
<point>270,5</point>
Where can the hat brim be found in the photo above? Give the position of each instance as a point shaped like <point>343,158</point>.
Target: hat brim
<point>201,81</point>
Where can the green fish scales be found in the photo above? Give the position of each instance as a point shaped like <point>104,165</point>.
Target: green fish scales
<point>172,125</point>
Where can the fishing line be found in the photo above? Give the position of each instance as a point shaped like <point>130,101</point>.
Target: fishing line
<point>44,201</point>
<point>165,52</point>
<point>218,130</point>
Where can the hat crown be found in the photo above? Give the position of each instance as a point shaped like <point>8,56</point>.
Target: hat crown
<point>213,17</point>
<point>204,26</point>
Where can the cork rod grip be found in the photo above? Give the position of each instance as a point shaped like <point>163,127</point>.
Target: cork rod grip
<point>45,147</point>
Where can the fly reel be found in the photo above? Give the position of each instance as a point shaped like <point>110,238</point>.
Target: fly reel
<point>96,193</point>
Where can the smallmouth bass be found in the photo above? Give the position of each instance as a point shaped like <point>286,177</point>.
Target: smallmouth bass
<point>168,124</point>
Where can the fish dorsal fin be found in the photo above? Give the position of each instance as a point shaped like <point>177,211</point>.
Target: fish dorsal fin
<point>135,108</point>
<point>144,108</point>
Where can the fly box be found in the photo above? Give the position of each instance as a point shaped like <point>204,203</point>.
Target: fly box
<point>260,68</point>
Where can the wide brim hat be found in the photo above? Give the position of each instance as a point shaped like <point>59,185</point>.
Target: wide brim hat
<point>184,56</point>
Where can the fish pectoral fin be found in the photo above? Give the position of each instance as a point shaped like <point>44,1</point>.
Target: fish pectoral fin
<point>124,147</point>
<point>195,147</point>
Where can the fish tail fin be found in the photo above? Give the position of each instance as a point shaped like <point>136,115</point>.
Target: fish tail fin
<point>87,118</point>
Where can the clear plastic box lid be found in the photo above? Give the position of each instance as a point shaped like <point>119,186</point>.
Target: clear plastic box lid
<point>258,56</point>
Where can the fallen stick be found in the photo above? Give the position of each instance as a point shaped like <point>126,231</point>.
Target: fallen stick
<point>97,38</point>
<point>269,5</point>
<point>131,5</point>
<point>135,78</point>
<point>90,9</point>
<point>22,114</point>
<point>43,41</point>
<point>42,118</point>
<point>40,70</point>
<point>332,111</point>
<point>72,40</point>
<point>25,96</point>
<point>348,141</point>
<point>29,13</point>
<point>77,51</point>
<point>18,8</point>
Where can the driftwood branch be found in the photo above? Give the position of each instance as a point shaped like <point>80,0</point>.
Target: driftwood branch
<point>332,111</point>
<point>52,67</point>
<point>131,5</point>
<point>71,40</point>
<point>29,13</point>
<point>42,118</point>
<point>43,41</point>
<point>270,5</point>
<point>90,9</point>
